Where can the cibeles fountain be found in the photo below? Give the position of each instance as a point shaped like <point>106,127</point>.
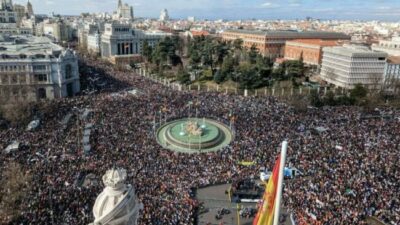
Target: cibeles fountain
<point>117,204</point>
<point>194,135</point>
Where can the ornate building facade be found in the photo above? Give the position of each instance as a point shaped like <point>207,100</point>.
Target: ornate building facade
<point>34,68</point>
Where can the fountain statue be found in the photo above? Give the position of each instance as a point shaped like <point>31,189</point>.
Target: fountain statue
<point>193,128</point>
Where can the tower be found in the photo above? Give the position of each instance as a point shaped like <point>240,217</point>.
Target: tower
<point>29,9</point>
<point>117,204</point>
<point>164,15</point>
<point>119,4</point>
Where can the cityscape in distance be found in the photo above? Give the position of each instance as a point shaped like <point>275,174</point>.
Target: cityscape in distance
<point>230,112</point>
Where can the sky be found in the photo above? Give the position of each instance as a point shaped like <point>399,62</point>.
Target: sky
<point>386,10</point>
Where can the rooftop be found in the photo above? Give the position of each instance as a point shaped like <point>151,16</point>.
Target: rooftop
<point>27,45</point>
<point>293,33</point>
<point>355,50</point>
<point>393,59</point>
<point>318,42</point>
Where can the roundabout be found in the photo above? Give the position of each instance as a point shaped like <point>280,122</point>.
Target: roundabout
<point>194,135</point>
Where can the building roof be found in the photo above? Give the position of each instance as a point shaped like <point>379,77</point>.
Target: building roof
<point>200,33</point>
<point>354,50</point>
<point>294,34</point>
<point>393,59</point>
<point>27,45</point>
<point>317,42</point>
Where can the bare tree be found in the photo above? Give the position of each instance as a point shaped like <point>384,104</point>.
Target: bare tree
<point>14,186</point>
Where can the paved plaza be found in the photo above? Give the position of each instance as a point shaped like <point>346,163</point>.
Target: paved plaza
<point>215,198</point>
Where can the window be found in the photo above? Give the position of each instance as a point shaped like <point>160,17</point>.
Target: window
<point>39,67</point>
<point>22,79</point>
<point>14,79</point>
<point>41,77</point>
<point>4,79</point>
<point>68,72</point>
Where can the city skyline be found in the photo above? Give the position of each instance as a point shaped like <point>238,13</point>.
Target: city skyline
<point>385,10</point>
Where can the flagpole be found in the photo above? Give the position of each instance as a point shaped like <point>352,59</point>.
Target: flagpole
<point>278,196</point>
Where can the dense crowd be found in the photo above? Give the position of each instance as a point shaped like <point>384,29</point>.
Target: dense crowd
<point>351,170</point>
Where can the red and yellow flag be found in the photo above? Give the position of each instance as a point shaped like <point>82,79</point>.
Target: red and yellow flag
<point>265,213</point>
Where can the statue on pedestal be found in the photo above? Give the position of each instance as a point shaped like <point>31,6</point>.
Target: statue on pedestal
<point>117,204</point>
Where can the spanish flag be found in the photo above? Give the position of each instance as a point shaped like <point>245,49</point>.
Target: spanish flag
<point>265,213</point>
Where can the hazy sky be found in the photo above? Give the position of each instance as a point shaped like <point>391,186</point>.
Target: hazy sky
<point>234,9</point>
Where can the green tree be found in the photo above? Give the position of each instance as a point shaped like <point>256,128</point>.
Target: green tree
<point>248,76</point>
<point>253,54</point>
<point>183,77</point>
<point>358,92</point>
<point>315,99</point>
<point>147,51</point>
<point>219,77</point>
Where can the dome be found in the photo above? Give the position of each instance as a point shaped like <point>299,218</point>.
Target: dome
<point>117,204</point>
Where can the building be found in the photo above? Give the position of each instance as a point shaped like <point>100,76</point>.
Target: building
<point>57,29</point>
<point>29,10</point>
<point>272,43</point>
<point>33,68</point>
<point>124,12</point>
<point>309,50</point>
<point>391,82</point>
<point>348,65</point>
<point>122,44</point>
<point>164,17</point>
<point>20,12</point>
<point>7,13</point>
<point>94,42</point>
<point>117,204</point>
<point>390,47</point>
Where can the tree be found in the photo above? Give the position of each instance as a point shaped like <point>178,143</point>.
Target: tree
<point>219,77</point>
<point>183,77</point>
<point>248,76</point>
<point>228,66</point>
<point>18,113</point>
<point>253,53</point>
<point>147,51</point>
<point>358,92</point>
<point>13,191</point>
<point>238,44</point>
<point>294,68</point>
<point>315,100</point>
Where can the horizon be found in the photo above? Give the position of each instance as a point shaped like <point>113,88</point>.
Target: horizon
<point>358,10</point>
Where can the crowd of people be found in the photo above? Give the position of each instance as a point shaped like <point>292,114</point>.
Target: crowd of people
<point>350,169</point>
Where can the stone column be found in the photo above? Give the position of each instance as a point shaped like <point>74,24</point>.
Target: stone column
<point>246,93</point>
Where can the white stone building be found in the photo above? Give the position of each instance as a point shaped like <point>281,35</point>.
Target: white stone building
<point>391,82</point>
<point>390,47</point>
<point>120,43</point>
<point>94,42</point>
<point>164,17</point>
<point>117,204</point>
<point>34,68</point>
<point>124,12</point>
<point>350,65</point>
